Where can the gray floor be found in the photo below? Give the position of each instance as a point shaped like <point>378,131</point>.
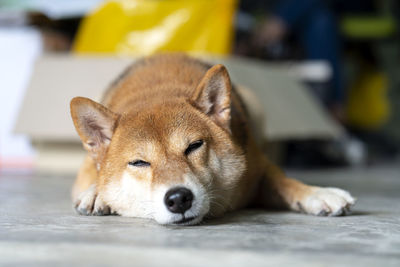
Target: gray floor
<point>39,227</point>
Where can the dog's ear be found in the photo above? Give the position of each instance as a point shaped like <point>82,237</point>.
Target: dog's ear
<point>213,95</point>
<point>95,125</point>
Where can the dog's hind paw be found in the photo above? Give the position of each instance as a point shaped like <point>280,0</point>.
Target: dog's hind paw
<point>89,203</point>
<point>326,202</point>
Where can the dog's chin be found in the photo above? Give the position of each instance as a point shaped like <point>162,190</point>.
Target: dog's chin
<point>188,221</point>
<point>184,221</point>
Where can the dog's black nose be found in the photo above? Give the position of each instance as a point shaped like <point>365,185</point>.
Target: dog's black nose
<point>178,199</point>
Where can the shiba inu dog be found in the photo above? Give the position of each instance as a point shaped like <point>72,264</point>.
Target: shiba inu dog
<point>172,141</point>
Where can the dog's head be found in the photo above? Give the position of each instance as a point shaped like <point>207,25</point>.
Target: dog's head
<point>175,162</point>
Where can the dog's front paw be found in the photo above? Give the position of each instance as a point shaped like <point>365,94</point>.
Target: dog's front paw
<point>326,202</point>
<point>89,203</point>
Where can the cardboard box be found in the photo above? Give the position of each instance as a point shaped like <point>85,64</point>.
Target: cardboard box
<point>291,111</point>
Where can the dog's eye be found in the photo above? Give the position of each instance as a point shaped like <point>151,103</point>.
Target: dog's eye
<point>139,163</point>
<point>193,146</point>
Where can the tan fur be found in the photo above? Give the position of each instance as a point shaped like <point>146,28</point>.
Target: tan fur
<point>161,105</point>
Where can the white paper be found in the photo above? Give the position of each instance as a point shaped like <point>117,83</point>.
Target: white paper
<point>19,47</point>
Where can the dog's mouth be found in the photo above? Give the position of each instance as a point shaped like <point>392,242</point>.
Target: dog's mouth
<point>185,221</point>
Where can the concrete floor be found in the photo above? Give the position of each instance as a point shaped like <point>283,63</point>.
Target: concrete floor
<point>38,227</point>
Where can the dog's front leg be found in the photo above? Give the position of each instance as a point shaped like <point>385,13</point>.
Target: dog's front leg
<point>277,190</point>
<point>90,203</point>
<point>85,196</point>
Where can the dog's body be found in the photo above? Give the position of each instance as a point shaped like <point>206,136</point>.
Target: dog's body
<point>172,142</point>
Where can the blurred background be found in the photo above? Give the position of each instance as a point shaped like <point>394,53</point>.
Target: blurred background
<point>344,54</point>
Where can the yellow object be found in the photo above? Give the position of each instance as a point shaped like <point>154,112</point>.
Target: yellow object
<point>368,26</point>
<point>368,106</point>
<point>143,27</point>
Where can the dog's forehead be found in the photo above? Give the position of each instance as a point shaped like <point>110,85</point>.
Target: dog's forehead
<point>168,124</point>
